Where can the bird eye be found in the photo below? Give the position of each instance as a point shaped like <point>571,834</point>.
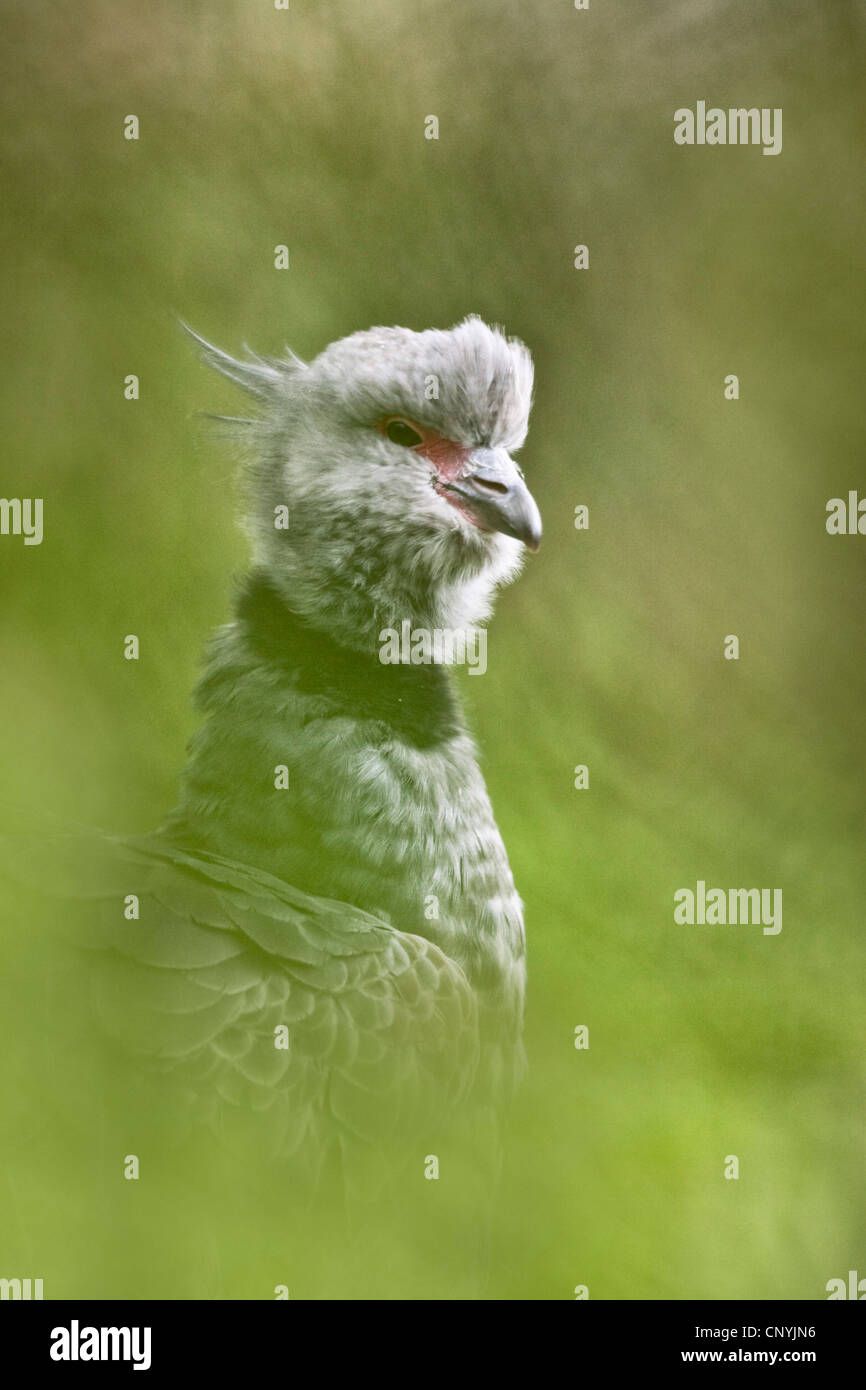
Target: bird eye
<point>401,432</point>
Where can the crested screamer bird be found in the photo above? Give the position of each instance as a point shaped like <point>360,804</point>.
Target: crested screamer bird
<point>327,926</point>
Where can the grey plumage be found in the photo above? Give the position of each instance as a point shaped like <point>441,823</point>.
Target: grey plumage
<point>369,907</point>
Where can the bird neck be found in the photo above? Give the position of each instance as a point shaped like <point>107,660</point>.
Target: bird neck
<point>416,701</point>
<point>355,582</point>
<point>276,691</point>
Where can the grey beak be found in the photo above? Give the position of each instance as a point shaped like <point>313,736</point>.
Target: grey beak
<point>493,485</point>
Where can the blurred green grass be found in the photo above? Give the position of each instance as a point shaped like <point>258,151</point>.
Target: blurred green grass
<point>707,517</point>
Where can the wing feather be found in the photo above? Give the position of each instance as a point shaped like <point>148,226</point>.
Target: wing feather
<point>382,1026</point>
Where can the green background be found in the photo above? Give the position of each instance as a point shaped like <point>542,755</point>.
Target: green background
<point>261,127</point>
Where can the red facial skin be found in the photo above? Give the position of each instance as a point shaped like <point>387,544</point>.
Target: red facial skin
<point>446,459</point>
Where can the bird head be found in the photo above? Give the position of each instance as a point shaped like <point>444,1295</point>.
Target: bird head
<point>382,480</point>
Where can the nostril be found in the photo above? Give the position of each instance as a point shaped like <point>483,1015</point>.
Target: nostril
<point>489,484</point>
